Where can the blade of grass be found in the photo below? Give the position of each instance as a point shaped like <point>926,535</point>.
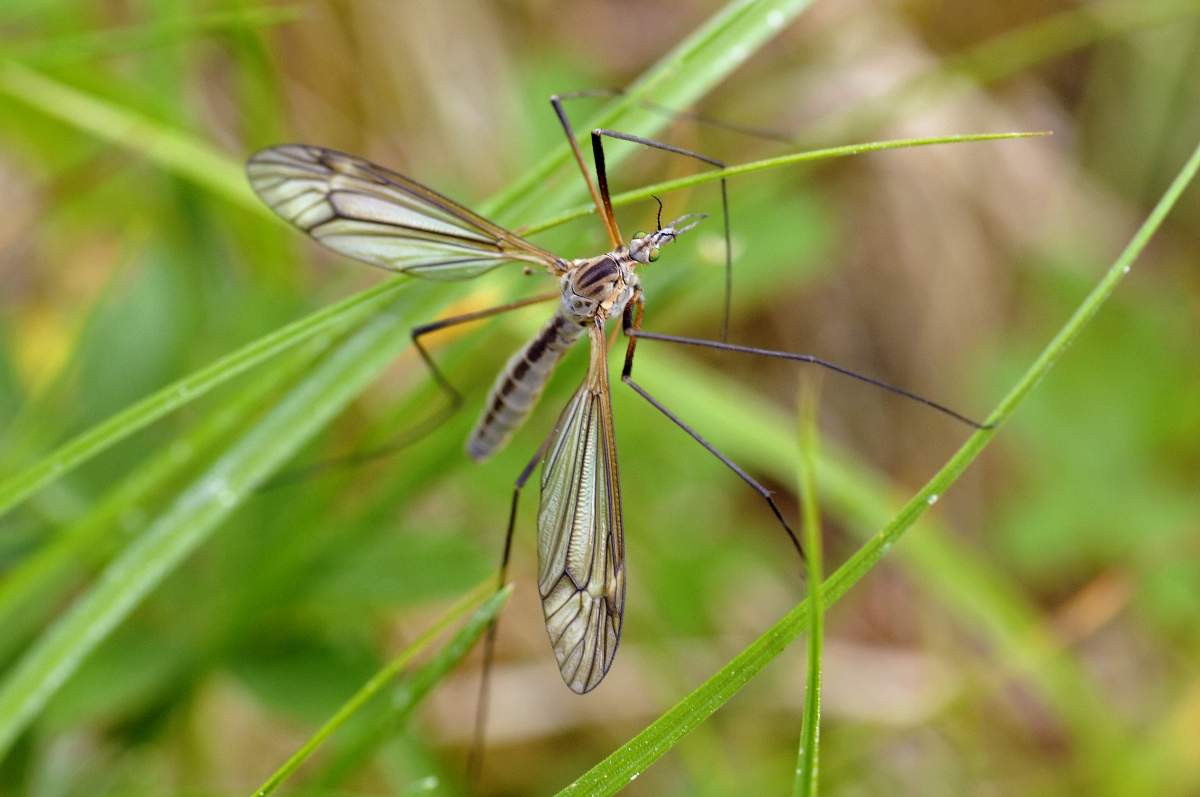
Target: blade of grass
<point>646,192</point>
<point>420,685</point>
<point>197,511</point>
<point>407,696</point>
<point>984,600</point>
<point>177,152</point>
<point>30,590</point>
<point>331,320</point>
<point>71,48</point>
<point>356,309</point>
<point>808,756</point>
<point>632,758</point>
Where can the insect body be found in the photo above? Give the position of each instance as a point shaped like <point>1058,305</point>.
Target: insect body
<point>596,288</point>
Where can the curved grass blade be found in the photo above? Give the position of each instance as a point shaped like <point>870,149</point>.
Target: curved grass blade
<point>176,151</point>
<point>738,28</point>
<point>982,598</point>
<point>808,756</point>
<point>421,683</point>
<point>32,588</point>
<point>632,758</point>
<point>331,320</point>
<point>407,695</point>
<point>649,191</point>
<point>61,50</point>
<point>195,514</point>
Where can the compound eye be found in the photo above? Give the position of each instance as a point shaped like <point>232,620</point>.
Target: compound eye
<point>639,234</point>
<point>653,254</point>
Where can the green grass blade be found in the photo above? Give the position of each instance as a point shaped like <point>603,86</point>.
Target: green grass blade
<point>176,152</point>
<point>632,758</point>
<point>197,511</point>
<point>808,756</point>
<point>646,192</point>
<point>805,784</point>
<point>328,321</point>
<point>32,588</point>
<point>453,653</point>
<point>983,599</point>
<point>71,48</point>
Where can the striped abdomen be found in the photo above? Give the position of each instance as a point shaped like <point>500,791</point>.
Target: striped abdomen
<point>520,383</point>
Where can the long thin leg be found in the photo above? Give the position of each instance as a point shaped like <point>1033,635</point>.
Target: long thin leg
<point>602,177</point>
<point>603,206</point>
<point>633,318</point>
<point>634,332</point>
<point>427,426</point>
<point>453,321</point>
<point>475,757</point>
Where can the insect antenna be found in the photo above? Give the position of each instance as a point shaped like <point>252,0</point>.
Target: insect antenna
<point>658,217</point>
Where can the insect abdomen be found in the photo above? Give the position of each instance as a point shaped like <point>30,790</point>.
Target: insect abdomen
<point>519,385</point>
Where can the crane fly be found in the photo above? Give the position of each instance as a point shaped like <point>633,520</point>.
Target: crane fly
<point>360,209</point>
<point>374,215</point>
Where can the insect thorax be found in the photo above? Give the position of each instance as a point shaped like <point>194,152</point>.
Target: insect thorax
<point>599,287</point>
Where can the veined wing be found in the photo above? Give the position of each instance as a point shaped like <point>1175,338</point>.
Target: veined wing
<point>581,542</point>
<point>375,215</point>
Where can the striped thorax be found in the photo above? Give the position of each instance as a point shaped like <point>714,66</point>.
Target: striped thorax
<point>593,288</point>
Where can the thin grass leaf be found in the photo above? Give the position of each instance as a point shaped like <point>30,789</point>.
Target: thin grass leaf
<point>419,686</point>
<point>331,320</point>
<point>178,153</point>
<point>198,511</point>
<point>983,599</point>
<point>808,756</point>
<point>66,49</point>
<point>632,758</point>
<point>646,192</point>
<point>31,589</point>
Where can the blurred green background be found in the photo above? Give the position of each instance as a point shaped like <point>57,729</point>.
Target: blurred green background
<point>1037,634</point>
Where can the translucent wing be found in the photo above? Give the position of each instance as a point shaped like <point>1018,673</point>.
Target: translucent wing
<point>375,215</point>
<point>581,542</point>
